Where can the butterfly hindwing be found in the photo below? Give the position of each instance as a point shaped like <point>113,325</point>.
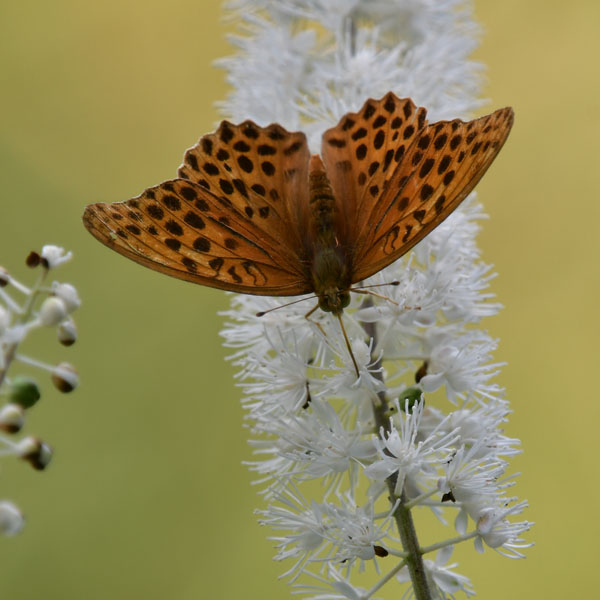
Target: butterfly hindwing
<point>182,230</point>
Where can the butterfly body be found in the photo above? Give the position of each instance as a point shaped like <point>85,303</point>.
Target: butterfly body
<point>329,266</point>
<point>252,212</point>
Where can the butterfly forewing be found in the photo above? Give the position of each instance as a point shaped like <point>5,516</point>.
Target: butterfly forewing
<point>438,171</point>
<point>262,171</point>
<point>361,155</point>
<point>398,177</point>
<point>180,229</point>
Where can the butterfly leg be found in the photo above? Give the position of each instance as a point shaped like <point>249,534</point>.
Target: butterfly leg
<point>370,293</point>
<point>339,316</point>
<point>307,317</point>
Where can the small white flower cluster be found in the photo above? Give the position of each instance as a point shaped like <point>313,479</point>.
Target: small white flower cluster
<point>22,310</point>
<point>421,426</point>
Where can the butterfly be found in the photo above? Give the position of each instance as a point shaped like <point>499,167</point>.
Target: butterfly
<point>252,211</point>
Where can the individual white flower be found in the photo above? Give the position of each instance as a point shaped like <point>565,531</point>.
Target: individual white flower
<point>279,385</point>
<point>336,587</point>
<point>353,532</point>
<point>478,428</point>
<point>67,332</point>
<point>401,455</point>
<point>254,338</point>
<point>64,377</point>
<point>345,381</point>
<point>11,518</point>
<point>320,444</point>
<point>471,477</point>
<point>68,294</point>
<point>55,256</point>
<point>305,527</point>
<point>461,363</point>
<point>496,531</point>
<point>12,417</point>
<point>52,311</point>
<point>442,575</point>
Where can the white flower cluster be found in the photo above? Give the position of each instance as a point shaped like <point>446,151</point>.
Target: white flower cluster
<point>421,426</point>
<point>22,310</point>
<point>306,63</point>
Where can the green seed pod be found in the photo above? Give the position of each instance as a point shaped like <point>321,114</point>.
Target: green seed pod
<point>24,391</point>
<point>412,395</point>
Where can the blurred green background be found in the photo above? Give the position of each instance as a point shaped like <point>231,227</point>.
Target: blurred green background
<point>146,497</point>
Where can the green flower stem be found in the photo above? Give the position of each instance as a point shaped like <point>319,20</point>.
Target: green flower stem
<point>450,542</point>
<point>421,498</point>
<point>402,514</point>
<point>27,310</point>
<point>385,579</point>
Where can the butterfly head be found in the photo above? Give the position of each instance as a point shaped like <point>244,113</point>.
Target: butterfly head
<point>330,275</point>
<point>334,300</point>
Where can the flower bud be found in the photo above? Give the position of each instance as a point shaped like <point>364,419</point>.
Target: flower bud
<point>68,294</point>
<point>11,518</point>
<point>33,259</point>
<point>12,418</point>
<point>24,391</point>
<point>409,397</point>
<point>52,311</point>
<point>67,332</point>
<point>64,377</point>
<point>35,452</point>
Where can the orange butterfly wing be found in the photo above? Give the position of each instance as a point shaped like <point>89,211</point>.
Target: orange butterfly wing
<point>408,178</point>
<point>232,220</point>
<point>263,172</point>
<point>180,229</point>
<point>239,218</point>
<point>361,155</point>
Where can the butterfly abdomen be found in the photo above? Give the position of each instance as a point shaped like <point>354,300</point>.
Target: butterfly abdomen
<point>322,205</point>
<point>330,271</point>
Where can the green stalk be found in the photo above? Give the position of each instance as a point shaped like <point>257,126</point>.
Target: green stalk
<point>25,315</point>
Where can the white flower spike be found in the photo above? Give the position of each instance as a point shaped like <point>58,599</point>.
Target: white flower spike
<point>413,421</point>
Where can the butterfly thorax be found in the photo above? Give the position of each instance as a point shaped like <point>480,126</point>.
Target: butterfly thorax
<point>329,264</point>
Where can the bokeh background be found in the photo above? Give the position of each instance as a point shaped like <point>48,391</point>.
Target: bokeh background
<point>147,497</point>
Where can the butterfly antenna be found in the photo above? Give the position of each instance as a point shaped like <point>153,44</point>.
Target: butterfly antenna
<point>366,287</point>
<point>339,316</point>
<point>367,291</point>
<point>262,313</point>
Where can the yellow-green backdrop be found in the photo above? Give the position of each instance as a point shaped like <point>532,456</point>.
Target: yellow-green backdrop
<point>146,497</point>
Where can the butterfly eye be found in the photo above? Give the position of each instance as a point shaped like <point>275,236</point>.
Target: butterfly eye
<point>344,299</point>
<point>334,301</point>
<point>325,304</point>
